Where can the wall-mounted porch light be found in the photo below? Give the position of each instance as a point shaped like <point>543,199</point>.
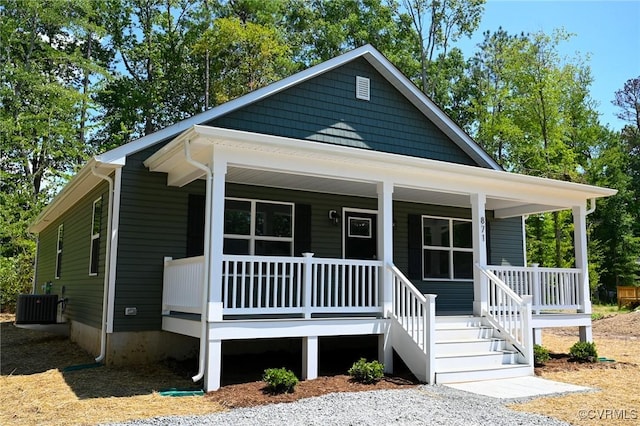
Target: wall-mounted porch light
<point>334,217</point>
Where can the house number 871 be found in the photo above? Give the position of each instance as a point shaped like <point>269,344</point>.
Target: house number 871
<point>482,226</point>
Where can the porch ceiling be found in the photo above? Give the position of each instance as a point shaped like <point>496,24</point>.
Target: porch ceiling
<point>264,160</point>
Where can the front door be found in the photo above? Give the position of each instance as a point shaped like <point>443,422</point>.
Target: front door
<point>359,228</point>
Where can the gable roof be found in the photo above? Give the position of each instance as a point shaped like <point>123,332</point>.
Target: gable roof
<point>84,180</point>
<point>425,105</point>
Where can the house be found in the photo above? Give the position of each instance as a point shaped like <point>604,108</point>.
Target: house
<point>337,202</point>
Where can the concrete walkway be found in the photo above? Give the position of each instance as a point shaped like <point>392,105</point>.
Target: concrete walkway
<point>519,387</point>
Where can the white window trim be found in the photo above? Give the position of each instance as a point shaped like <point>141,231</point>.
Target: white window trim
<point>94,236</point>
<point>451,249</point>
<point>59,251</point>
<point>252,237</point>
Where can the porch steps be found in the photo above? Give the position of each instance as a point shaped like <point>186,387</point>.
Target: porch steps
<point>468,350</point>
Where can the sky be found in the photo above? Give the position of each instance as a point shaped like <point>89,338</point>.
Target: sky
<point>606,30</point>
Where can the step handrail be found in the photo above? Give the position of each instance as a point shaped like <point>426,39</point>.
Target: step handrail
<point>398,273</point>
<point>509,313</point>
<point>415,314</point>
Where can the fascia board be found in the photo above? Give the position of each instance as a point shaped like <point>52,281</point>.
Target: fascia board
<point>460,176</point>
<point>73,191</point>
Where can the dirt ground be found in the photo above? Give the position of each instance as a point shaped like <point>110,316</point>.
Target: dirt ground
<point>37,388</point>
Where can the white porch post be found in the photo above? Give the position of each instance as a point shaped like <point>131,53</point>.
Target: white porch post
<point>385,253</point>
<point>309,357</point>
<point>582,263</point>
<point>213,372</point>
<point>216,238</point>
<point>479,227</point>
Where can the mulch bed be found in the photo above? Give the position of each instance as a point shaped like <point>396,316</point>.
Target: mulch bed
<point>564,362</point>
<point>255,393</point>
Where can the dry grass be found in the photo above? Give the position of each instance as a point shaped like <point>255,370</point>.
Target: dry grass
<point>617,401</point>
<point>35,390</point>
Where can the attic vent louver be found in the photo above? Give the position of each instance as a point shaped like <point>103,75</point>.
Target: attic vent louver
<point>362,88</point>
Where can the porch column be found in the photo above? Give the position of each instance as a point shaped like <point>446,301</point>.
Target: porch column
<point>479,240</point>
<point>213,374</point>
<point>309,357</point>
<point>582,263</point>
<point>219,170</point>
<point>385,253</point>
<point>385,239</point>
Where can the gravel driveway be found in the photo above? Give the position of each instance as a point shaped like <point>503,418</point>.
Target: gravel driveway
<point>425,405</point>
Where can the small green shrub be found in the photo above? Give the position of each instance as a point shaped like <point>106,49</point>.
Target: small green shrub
<point>280,380</point>
<point>366,372</point>
<point>540,354</point>
<point>584,352</point>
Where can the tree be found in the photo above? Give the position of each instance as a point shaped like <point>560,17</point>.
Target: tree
<point>438,24</point>
<point>245,56</point>
<point>328,28</point>
<point>155,80</point>
<point>614,220</point>
<point>533,112</point>
<point>43,107</point>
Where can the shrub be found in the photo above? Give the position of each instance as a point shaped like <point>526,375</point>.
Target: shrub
<point>540,354</point>
<point>280,380</point>
<point>366,372</point>
<point>584,352</point>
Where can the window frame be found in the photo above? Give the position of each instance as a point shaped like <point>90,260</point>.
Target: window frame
<point>59,248</point>
<point>252,238</point>
<point>95,239</point>
<point>450,249</point>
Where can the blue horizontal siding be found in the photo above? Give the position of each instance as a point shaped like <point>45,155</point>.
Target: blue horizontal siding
<point>325,109</point>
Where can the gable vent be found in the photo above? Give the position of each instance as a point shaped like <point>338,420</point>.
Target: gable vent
<point>362,88</point>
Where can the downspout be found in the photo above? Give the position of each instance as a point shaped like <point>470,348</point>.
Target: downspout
<point>35,266</point>
<point>105,296</point>
<point>207,252</point>
<point>592,202</point>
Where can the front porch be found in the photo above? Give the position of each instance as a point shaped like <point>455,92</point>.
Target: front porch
<point>422,223</point>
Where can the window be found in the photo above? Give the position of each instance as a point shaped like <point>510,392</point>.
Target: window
<point>258,227</point>
<point>447,251</point>
<point>59,251</point>
<point>94,255</point>
<point>359,227</point>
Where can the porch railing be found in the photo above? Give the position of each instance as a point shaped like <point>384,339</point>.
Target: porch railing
<point>551,288</point>
<point>269,285</point>
<point>510,314</point>
<point>182,284</point>
<point>299,285</point>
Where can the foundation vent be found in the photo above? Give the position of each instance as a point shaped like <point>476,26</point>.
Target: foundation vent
<point>362,88</point>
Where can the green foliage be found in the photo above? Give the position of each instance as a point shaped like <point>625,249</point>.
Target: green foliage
<point>540,354</point>
<point>280,380</point>
<point>584,352</point>
<point>366,372</point>
<point>15,279</point>
<point>596,316</point>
